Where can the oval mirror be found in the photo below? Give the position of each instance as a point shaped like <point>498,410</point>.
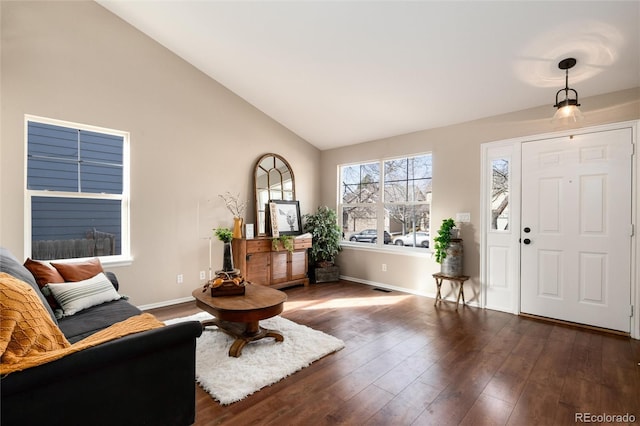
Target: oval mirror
<point>273,180</point>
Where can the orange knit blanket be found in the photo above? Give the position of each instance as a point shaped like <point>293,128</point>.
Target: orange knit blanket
<point>29,337</point>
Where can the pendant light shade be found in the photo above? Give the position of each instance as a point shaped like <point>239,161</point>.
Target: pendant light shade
<point>567,98</point>
<point>568,114</point>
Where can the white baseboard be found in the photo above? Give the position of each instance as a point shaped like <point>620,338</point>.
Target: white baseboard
<point>386,286</point>
<point>404,290</point>
<point>344,277</point>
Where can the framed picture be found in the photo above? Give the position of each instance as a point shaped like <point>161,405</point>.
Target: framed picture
<point>248,231</point>
<point>285,217</point>
<point>271,226</point>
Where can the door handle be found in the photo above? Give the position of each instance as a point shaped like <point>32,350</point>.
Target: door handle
<point>526,241</point>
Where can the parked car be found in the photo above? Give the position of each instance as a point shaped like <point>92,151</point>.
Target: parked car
<point>370,236</point>
<point>421,239</point>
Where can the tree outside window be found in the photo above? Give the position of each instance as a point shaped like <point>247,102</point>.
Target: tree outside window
<point>500,195</point>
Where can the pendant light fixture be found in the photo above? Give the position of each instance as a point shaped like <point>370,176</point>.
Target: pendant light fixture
<point>568,111</point>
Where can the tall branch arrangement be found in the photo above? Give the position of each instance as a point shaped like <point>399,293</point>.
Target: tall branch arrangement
<point>233,203</point>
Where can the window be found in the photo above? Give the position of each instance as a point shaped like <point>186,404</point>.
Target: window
<point>500,194</point>
<point>77,190</point>
<point>387,201</point>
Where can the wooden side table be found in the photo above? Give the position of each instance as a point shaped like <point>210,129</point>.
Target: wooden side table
<point>439,277</point>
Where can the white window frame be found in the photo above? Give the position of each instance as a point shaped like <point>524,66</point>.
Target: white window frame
<point>124,258</point>
<point>380,211</point>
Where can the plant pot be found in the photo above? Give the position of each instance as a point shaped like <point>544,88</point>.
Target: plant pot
<point>227,258</point>
<point>326,274</point>
<point>452,264</point>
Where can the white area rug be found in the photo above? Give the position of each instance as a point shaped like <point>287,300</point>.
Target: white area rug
<point>262,363</point>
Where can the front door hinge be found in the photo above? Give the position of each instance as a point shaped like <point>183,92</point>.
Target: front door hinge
<point>631,310</point>
<point>632,230</point>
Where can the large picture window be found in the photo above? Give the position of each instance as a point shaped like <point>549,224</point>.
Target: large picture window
<point>387,201</point>
<point>77,190</point>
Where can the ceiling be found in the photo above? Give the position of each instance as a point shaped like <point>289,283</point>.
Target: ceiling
<point>338,73</point>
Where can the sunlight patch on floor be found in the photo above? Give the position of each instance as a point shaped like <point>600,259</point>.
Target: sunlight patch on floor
<point>346,302</point>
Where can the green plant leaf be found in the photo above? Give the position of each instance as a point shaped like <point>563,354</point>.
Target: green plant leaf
<point>323,226</point>
<point>224,234</point>
<point>443,239</point>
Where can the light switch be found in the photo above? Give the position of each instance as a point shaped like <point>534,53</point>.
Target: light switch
<point>463,217</point>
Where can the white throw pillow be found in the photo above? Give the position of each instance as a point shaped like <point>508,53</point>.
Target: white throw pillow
<point>76,296</point>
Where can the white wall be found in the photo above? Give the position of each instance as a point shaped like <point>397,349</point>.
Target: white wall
<point>191,138</point>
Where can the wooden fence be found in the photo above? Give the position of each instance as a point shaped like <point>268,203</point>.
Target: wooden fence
<point>95,244</point>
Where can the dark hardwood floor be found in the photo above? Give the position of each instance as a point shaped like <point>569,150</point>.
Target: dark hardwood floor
<point>407,362</point>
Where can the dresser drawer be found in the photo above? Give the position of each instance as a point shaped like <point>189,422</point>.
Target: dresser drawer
<point>258,246</point>
<point>302,243</point>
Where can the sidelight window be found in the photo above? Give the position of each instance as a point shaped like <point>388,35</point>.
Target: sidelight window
<point>500,195</point>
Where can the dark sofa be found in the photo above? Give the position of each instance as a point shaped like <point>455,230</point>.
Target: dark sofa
<point>141,379</point>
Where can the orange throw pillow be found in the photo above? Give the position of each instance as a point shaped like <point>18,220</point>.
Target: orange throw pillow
<point>44,274</point>
<point>79,271</point>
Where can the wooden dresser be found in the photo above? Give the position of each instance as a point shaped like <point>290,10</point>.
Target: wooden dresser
<point>260,264</point>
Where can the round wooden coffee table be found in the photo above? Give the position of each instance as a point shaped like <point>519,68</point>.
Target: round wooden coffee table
<point>239,316</point>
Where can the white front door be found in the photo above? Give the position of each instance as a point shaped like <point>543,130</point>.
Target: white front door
<point>576,228</point>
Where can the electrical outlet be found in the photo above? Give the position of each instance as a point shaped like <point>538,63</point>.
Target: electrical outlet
<point>384,267</point>
<point>180,278</point>
<point>202,275</point>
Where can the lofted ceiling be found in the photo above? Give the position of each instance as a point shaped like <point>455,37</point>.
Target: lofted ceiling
<point>342,72</point>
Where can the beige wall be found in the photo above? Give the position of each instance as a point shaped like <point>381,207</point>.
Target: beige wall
<point>456,182</point>
<point>191,139</point>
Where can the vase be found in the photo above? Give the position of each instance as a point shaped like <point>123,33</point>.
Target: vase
<point>237,227</point>
<point>227,259</point>
<point>452,264</point>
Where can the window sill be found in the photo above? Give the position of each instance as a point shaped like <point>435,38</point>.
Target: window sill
<point>389,248</point>
<point>115,261</point>
<point>106,261</point>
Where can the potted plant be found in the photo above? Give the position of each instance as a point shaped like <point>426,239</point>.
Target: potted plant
<point>226,235</point>
<point>448,248</point>
<point>325,246</point>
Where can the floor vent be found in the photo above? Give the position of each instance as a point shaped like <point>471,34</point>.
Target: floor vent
<point>384,290</point>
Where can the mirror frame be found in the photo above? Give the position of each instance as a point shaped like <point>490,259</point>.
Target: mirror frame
<point>267,164</point>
